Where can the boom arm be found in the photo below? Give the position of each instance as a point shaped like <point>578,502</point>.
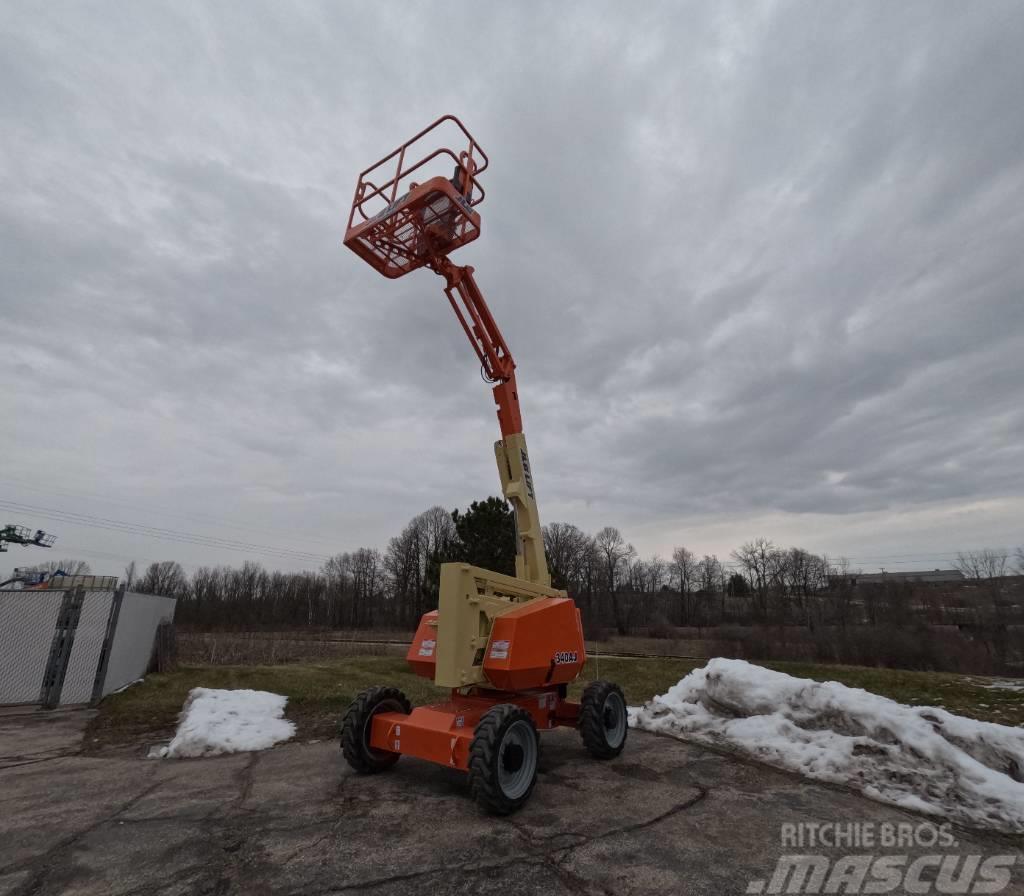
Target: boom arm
<point>510,451</point>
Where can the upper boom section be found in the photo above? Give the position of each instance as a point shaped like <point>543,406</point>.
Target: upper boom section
<point>398,224</point>
<point>496,362</point>
<point>417,203</point>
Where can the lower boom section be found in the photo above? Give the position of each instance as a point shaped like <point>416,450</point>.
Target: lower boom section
<point>443,732</point>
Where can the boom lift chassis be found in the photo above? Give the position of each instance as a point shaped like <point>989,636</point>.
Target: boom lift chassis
<point>507,647</point>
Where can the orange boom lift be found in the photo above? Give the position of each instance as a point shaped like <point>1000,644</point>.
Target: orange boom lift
<point>506,646</point>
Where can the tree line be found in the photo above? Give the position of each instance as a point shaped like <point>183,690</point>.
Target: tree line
<point>618,590</point>
<point>762,601</point>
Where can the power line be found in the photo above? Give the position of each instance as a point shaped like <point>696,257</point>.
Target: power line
<point>91,521</point>
<point>73,493</point>
<point>93,552</point>
<point>161,534</point>
<point>222,543</point>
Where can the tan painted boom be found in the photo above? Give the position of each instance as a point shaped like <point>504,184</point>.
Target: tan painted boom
<point>513,459</point>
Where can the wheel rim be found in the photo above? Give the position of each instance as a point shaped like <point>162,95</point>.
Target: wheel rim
<point>613,714</point>
<point>517,759</point>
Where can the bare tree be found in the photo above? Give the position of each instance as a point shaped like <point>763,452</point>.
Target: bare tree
<point>842,577</point>
<point>982,565</point>
<point>615,555</point>
<point>366,579</point>
<point>402,564</point>
<point>568,550</point>
<point>438,528</point>
<point>412,562</point>
<point>336,568</point>
<point>710,574</point>
<point>70,567</point>
<point>337,573</point>
<point>803,575</point>
<point>647,576</point>
<point>759,559</point>
<point>682,572</point>
<point>438,540</point>
<point>710,579</point>
<point>129,576</point>
<point>206,595</point>
<point>166,578</point>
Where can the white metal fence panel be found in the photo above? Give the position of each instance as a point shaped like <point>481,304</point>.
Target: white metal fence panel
<point>87,647</point>
<point>27,620</point>
<point>74,646</point>
<point>137,621</point>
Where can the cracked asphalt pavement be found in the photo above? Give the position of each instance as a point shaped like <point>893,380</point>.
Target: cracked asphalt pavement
<point>666,817</point>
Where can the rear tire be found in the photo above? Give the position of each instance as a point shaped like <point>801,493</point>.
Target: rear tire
<point>355,729</point>
<point>503,759</point>
<point>603,719</point>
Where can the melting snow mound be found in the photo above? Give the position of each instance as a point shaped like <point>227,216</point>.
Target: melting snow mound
<point>920,758</point>
<point>216,721</point>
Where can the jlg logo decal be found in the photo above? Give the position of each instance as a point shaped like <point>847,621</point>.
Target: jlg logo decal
<point>566,656</point>
<point>527,475</point>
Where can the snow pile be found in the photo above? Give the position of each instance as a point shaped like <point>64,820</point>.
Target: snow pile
<point>920,758</point>
<point>1006,686</point>
<point>216,721</point>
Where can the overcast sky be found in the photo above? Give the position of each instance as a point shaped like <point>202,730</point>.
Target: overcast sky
<point>761,267</point>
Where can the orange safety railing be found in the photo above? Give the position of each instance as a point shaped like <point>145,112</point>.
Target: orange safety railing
<point>417,203</point>
<point>388,191</point>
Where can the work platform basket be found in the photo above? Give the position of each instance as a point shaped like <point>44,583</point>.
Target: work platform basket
<point>417,204</point>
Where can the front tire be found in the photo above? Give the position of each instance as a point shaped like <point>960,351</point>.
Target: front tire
<point>503,759</point>
<point>603,719</point>
<point>355,729</point>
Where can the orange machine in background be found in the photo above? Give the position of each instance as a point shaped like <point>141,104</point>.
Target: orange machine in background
<point>507,646</point>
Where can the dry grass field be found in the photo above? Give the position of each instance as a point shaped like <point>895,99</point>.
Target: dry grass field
<point>319,691</point>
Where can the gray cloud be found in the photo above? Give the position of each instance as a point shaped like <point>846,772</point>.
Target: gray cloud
<point>759,265</point>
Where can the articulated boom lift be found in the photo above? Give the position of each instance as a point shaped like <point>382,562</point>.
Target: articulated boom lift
<point>507,647</point>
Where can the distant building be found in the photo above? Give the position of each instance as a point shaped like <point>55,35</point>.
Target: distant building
<point>926,576</point>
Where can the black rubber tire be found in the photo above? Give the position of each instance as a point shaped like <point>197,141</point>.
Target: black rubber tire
<point>355,729</point>
<point>485,756</point>
<point>594,730</point>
